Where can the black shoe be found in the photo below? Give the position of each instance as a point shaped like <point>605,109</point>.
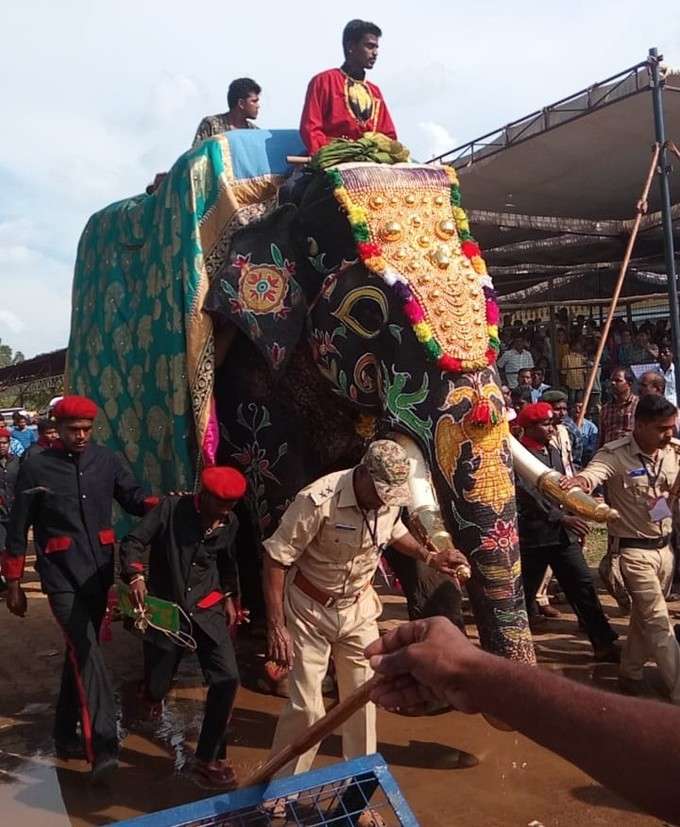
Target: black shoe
<point>70,750</point>
<point>607,654</point>
<point>103,768</point>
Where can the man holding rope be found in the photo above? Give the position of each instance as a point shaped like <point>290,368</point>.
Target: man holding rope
<point>318,570</point>
<point>192,564</point>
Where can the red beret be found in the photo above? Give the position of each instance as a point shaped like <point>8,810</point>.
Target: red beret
<point>225,483</point>
<point>75,407</point>
<point>5,433</point>
<point>534,412</point>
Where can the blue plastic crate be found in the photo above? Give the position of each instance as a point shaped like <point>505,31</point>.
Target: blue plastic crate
<point>336,795</point>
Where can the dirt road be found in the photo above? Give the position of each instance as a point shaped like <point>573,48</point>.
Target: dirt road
<point>514,783</point>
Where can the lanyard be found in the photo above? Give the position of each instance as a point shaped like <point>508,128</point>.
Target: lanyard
<point>652,475</point>
<point>373,531</point>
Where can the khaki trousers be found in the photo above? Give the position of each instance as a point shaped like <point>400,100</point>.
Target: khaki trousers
<point>317,634</point>
<point>650,633</point>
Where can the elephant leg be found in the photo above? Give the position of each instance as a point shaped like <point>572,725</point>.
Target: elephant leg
<point>427,592</point>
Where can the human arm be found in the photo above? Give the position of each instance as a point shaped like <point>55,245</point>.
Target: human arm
<point>128,493</point>
<point>630,745</point>
<point>601,468</point>
<point>313,114</point>
<point>298,527</point>
<point>13,557</point>
<point>384,123</point>
<point>446,562</point>
<point>204,131</point>
<point>134,546</point>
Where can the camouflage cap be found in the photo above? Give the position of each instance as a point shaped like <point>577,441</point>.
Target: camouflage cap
<point>389,469</point>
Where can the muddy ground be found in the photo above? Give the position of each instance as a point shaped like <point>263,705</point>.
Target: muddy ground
<point>514,783</point>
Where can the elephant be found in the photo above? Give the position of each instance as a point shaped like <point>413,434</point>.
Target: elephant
<point>319,348</point>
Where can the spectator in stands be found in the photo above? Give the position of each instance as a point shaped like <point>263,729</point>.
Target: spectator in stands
<point>617,416</point>
<point>573,368</point>
<point>514,359</point>
<point>588,430</point>
<point>524,378</point>
<point>566,438</point>
<point>21,432</point>
<point>651,383</point>
<point>667,368</point>
<point>538,386</point>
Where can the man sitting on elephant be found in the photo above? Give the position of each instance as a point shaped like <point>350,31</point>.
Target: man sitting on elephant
<point>341,103</point>
<point>319,566</point>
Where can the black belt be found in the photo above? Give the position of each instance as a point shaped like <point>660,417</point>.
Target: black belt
<point>644,542</point>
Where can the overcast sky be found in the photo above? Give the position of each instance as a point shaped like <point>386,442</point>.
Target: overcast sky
<point>97,96</point>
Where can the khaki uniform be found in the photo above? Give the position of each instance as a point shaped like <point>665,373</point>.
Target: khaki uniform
<point>635,482</point>
<point>324,535</point>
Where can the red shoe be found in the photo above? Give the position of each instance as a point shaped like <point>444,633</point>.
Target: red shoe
<point>214,775</point>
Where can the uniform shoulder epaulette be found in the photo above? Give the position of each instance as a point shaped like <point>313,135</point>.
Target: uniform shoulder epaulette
<point>617,443</point>
<point>324,488</point>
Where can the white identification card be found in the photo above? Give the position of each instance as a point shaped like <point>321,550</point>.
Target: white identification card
<point>659,510</point>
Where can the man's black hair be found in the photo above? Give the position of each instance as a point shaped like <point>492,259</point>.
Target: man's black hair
<point>45,425</point>
<point>355,30</point>
<point>240,88</point>
<point>627,372</point>
<point>654,407</point>
<point>520,394</point>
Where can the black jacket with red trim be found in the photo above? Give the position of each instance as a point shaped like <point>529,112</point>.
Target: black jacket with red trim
<point>68,499</point>
<point>9,473</point>
<point>191,567</point>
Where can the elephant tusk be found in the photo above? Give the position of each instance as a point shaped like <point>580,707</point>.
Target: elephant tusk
<point>547,482</point>
<point>424,512</point>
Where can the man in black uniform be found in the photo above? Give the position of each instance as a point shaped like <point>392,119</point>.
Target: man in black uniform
<point>548,536</point>
<point>47,435</point>
<point>66,493</point>
<point>9,471</point>
<point>192,564</point>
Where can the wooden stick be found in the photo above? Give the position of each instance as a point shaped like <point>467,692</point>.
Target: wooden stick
<point>641,210</point>
<point>334,718</point>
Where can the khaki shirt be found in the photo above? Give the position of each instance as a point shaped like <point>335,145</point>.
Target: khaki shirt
<point>324,533</point>
<point>562,441</point>
<point>634,481</point>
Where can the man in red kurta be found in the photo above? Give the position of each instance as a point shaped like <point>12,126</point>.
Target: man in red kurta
<point>341,103</point>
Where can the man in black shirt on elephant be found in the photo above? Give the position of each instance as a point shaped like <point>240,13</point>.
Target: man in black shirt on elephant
<point>191,564</point>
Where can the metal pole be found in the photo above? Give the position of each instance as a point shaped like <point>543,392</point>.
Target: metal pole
<point>665,192</point>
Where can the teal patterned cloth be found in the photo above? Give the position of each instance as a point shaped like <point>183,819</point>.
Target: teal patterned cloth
<point>140,345</point>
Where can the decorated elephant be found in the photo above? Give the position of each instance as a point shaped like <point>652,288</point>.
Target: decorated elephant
<point>366,308</point>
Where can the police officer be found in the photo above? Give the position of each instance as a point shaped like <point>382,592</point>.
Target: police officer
<point>66,493</point>
<point>318,569</point>
<point>192,564</point>
<point>640,469</point>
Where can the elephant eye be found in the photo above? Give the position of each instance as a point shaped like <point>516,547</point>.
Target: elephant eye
<point>363,310</point>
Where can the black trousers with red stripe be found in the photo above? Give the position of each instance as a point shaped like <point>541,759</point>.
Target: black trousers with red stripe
<point>86,694</point>
<point>220,670</point>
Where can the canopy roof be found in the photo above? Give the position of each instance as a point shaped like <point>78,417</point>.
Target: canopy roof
<point>554,193</point>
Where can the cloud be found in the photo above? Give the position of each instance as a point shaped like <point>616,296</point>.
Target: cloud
<point>12,321</point>
<point>437,139</point>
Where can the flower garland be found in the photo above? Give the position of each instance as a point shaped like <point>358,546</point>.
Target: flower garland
<point>370,253</point>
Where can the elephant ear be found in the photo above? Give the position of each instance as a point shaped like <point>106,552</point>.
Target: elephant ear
<point>256,289</point>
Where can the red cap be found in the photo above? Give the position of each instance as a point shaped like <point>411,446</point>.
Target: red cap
<point>535,412</point>
<point>75,407</point>
<point>5,433</point>
<point>225,483</point>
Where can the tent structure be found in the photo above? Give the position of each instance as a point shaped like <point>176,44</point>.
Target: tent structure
<point>552,196</point>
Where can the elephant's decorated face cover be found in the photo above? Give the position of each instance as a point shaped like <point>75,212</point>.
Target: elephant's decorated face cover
<point>411,231</point>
